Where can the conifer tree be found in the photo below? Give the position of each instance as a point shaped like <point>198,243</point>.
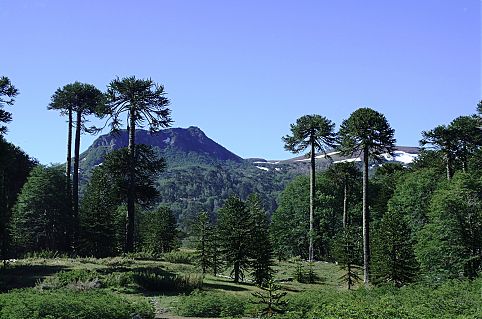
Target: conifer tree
<point>317,133</point>
<point>83,100</point>
<point>143,101</point>
<point>41,216</point>
<point>8,92</point>
<point>393,252</point>
<point>442,139</point>
<point>202,232</point>
<point>235,230</point>
<point>367,132</point>
<point>261,248</point>
<point>100,222</point>
<point>158,230</point>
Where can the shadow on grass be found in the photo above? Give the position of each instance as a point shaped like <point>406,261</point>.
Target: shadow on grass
<point>24,276</point>
<point>211,285</point>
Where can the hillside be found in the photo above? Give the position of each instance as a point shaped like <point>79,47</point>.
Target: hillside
<point>201,174</point>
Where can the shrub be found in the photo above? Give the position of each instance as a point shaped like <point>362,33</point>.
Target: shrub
<point>34,304</point>
<point>152,280</point>
<point>77,279</point>
<point>202,304</point>
<point>180,257</point>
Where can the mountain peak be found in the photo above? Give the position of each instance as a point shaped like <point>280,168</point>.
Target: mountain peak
<point>181,142</point>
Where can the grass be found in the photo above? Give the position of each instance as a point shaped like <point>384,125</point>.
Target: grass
<point>176,287</point>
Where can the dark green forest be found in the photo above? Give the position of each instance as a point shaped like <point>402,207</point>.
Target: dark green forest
<point>387,229</point>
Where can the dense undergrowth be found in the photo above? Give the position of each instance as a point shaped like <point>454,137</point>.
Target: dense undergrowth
<point>63,304</point>
<point>452,300</point>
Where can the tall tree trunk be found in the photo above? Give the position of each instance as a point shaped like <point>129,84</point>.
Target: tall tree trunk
<point>68,170</point>
<point>75,183</point>
<point>236,271</point>
<point>345,205</point>
<point>312,202</point>
<point>131,192</point>
<point>366,220</point>
<point>450,172</point>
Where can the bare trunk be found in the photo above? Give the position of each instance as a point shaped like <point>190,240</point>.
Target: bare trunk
<point>236,271</point>
<point>345,205</point>
<point>366,220</point>
<point>131,193</point>
<point>75,183</point>
<point>312,203</point>
<point>449,167</point>
<point>68,170</point>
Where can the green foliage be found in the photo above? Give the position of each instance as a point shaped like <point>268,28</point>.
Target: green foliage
<point>271,299</point>
<point>310,130</point>
<point>317,132</point>
<point>203,304</point>
<point>261,248</point>
<point>366,128</point>
<point>7,94</point>
<point>158,231</point>
<point>348,254</point>
<point>159,281</point>
<point>412,195</point>
<point>450,243</point>
<point>451,300</point>
<point>102,225</point>
<point>15,166</point>
<point>393,253</point>
<point>203,230</point>
<point>41,216</point>
<point>77,279</point>
<point>180,257</point>
<point>148,167</point>
<point>235,227</point>
<point>34,304</point>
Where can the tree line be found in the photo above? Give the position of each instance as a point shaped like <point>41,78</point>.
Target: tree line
<point>397,223</point>
<point>424,225</point>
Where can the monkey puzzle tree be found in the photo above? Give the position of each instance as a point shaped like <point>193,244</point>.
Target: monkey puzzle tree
<point>442,138</point>
<point>143,101</point>
<point>368,132</point>
<point>84,100</point>
<point>6,90</point>
<point>316,132</point>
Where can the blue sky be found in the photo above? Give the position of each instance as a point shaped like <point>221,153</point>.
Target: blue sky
<point>242,71</point>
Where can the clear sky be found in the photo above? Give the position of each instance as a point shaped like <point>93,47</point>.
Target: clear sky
<point>243,70</point>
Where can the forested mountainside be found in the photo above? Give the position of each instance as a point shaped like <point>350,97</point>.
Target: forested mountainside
<point>201,174</point>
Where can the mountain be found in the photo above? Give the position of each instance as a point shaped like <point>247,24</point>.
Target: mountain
<point>201,174</point>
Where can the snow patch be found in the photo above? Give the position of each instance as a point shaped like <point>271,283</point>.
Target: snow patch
<point>263,168</point>
<point>400,156</point>
<point>348,160</point>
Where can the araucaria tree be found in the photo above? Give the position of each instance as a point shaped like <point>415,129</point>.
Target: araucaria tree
<point>368,132</point>
<point>235,229</point>
<point>442,138</point>
<point>261,247</point>
<point>144,102</point>
<point>317,133</point>
<point>7,94</point>
<point>83,100</point>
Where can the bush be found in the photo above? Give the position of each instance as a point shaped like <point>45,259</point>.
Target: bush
<point>77,279</point>
<point>34,304</point>
<point>180,257</point>
<point>202,304</point>
<point>152,280</point>
<point>460,300</point>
